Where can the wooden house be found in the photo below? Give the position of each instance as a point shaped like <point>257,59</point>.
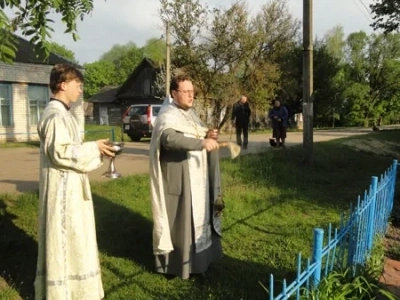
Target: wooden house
<point>139,88</point>
<point>105,110</point>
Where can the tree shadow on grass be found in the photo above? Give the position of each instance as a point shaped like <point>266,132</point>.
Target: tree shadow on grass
<point>22,185</point>
<point>124,233</point>
<point>18,252</point>
<point>227,279</point>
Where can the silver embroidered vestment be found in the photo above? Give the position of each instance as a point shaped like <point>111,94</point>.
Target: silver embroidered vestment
<point>68,265</point>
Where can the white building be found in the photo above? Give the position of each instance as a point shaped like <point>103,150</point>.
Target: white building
<point>24,93</point>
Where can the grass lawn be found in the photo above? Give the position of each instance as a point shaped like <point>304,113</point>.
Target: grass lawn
<point>92,133</point>
<point>273,203</point>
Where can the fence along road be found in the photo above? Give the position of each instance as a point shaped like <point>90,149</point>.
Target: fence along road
<point>349,245</point>
<point>19,167</point>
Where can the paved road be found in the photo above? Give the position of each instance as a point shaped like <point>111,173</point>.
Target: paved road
<point>19,167</point>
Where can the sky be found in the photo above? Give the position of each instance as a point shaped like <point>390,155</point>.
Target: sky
<point>122,21</point>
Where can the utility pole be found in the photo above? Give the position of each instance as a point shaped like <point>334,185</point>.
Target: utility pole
<point>168,61</point>
<point>308,81</point>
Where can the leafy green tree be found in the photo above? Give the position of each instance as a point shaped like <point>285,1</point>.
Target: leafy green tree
<point>227,51</point>
<point>265,75</point>
<point>327,89</point>
<point>63,51</point>
<point>126,64</point>
<point>155,49</point>
<point>372,74</point>
<point>335,42</point>
<point>97,75</point>
<point>386,14</point>
<point>117,51</point>
<point>113,68</point>
<point>32,18</point>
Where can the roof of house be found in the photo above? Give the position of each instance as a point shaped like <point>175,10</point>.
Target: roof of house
<point>138,69</point>
<point>106,95</point>
<point>26,53</point>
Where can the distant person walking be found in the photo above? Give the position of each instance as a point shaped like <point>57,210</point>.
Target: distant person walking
<point>240,118</point>
<point>279,117</point>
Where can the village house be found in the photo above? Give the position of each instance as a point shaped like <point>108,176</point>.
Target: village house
<point>104,108</point>
<point>140,87</point>
<point>24,93</point>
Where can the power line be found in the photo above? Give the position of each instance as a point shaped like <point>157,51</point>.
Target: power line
<point>366,8</point>
<point>157,40</point>
<point>362,11</point>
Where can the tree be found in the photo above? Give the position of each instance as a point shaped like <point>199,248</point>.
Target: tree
<point>372,74</point>
<point>386,14</point>
<point>335,42</point>
<point>228,52</point>
<point>32,18</point>
<point>98,75</point>
<point>117,51</point>
<point>62,51</point>
<point>209,51</point>
<point>155,49</point>
<point>275,31</point>
<point>125,59</point>
<point>126,64</point>
<point>329,60</point>
<point>114,68</point>
<point>327,86</point>
<point>187,18</point>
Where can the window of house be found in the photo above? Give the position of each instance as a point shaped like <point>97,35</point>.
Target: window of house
<point>5,105</point>
<point>38,97</point>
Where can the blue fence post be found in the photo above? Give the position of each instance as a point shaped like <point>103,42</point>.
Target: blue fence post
<point>317,255</point>
<point>371,217</point>
<point>393,187</point>
<point>113,134</point>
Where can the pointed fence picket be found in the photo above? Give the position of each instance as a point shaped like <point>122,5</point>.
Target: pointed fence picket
<point>351,243</point>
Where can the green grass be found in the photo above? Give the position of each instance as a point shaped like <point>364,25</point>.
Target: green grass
<point>96,132</point>
<point>273,202</point>
<point>92,133</point>
<point>269,130</point>
<point>30,144</point>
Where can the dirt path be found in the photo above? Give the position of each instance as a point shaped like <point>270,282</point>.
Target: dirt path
<point>19,167</point>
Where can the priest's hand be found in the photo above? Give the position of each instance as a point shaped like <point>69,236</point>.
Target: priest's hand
<point>212,134</point>
<point>210,144</point>
<point>105,148</point>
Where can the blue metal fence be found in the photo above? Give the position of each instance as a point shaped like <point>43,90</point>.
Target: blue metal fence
<point>351,243</point>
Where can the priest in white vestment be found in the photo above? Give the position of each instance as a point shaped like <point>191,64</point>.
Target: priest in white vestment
<point>68,264</point>
<point>185,187</point>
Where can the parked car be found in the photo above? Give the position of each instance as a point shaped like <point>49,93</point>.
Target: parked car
<point>138,120</point>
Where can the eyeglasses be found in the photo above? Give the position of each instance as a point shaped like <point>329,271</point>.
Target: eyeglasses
<point>186,92</point>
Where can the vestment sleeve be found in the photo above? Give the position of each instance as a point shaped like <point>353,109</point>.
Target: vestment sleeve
<point>174,140</point>
<point>63,151</point>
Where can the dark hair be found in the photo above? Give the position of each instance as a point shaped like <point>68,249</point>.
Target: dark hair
<point>63,73</point>
<point>176,80</point>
